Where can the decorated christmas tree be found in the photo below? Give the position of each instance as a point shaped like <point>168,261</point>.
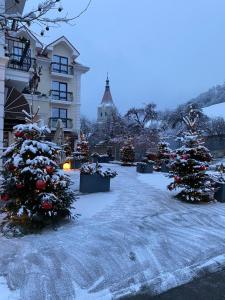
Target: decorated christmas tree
<point>35,191</point>
<point>163,155</point>
<point>190,164</point>
<point>127,154</point>
<point>82,150</point>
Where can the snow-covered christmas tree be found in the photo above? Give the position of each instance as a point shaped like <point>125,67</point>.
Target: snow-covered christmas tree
<point>127,153</point>
<point>191,162</point>
<point>163,154</point>
<point>82,150</point>
<point>35,191</point>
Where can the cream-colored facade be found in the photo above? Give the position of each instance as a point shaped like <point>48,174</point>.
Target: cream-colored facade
<point>59,88</point>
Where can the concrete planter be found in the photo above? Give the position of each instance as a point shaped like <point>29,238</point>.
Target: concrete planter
<point>76,163</point>
<point>164,168</point>
<point>145,168</point>
<point>220,193</point>
<point>94,183</point>
<point>101,159</point>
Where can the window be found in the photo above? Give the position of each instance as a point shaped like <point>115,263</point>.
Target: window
<point>59,113</point>
<point>60,64</point>
<point>59,90</point>
<point>17,52</point>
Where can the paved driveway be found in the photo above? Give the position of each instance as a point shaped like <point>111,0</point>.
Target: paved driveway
<point>142,238</point>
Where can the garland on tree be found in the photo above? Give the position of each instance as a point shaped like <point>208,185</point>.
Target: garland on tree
<point>127,154</point>
<point>35,191</point>
<point>190,164</point>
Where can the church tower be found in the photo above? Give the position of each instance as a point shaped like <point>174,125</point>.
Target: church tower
<point>107,106</point>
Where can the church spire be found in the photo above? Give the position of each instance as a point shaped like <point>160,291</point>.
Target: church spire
<point>107,97</point>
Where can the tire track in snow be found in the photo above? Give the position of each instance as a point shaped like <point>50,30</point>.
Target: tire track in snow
<point>142,238</point>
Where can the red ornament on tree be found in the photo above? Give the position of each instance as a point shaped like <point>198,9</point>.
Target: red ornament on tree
<point>5,197</point>
<point>177,179</point>
<point>185,156</point>
<point>19,186</point>
<point>40,184</point>
<point>49,169</point>
<point>46,205</point>
<point>173,155</point>
<point>19,134</point>
<point>11,167</point>
<point>202,168</point>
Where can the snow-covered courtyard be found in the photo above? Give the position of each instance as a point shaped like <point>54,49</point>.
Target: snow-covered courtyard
<point>135,237</point>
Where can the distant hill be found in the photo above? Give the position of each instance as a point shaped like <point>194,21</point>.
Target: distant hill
<point>213,96</point>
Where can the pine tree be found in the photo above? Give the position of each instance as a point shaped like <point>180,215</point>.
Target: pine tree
<point>190,164</point>
<point>36,192</point>
<point>127,154</point>
<point>163,155</point>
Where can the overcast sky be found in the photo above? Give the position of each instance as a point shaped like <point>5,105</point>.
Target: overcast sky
<point>163,51</point>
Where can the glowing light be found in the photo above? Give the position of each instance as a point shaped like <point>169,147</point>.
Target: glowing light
<point>67,166</point>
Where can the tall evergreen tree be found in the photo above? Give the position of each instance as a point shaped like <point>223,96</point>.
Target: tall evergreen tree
<point>35,191</point>
<point>191,163</point>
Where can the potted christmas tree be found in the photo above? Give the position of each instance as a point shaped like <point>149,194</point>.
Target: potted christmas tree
<point>163,157</point>
<point>94,179</point>
<point>127,154</point>
<point>81,155</point>
<point>35,191</point>
<point>190,164</point>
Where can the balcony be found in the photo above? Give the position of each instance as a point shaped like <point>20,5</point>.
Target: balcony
<point>58,95</point>
<point>19,54</point>
<point>60,69</point>
<point>68,123</point>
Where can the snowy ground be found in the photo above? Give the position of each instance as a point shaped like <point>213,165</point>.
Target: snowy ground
<point>134,237</point>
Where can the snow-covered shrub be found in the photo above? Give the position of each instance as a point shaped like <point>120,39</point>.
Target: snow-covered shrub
<point>91,169</point>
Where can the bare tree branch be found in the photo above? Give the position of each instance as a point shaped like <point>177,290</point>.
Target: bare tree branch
<point>39,15</point>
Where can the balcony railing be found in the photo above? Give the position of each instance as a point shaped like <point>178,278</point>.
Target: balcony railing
<point>19,54</point>
<point>61,95</point>
<point>61,68</point>
<point>68,123</point>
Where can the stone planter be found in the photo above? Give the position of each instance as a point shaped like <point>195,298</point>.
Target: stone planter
<point>164,168</point>
<point>101,159</point>
<point>94,183</point>
<point>76,163</point>
<point>220,193</point>
<point>145,168</point>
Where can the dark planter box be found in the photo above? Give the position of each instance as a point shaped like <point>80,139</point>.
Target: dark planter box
<point>101,160</point>
<point>220,193</point>
<point>94,183</point>
<point>164,168</point>
<point>76,163</point>
<point>148,168</point>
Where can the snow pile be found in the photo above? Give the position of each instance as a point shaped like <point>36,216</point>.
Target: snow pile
<point>215,111</point>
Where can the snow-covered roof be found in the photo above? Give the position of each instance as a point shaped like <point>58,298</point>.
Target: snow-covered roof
<point>215,111</point>
<point>64,40</point>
